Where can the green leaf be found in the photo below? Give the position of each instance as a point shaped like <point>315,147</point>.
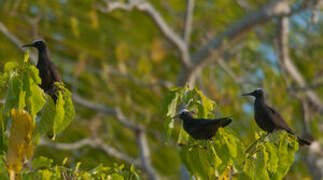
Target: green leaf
<point>171,102</point>
<point>182,136</point>
<point>37,99</point>
<point>33,72</point>
<point>59,114</point>
<point>12,97</point>
<point>9,67</point>
<point>116,176</point>
<point>69,111</point>
<point>230,142</point>
<point>249,169</point>
<point>286,153</point>
<point>64,111</point>
<point>260,166</point>
<point>26,56</point>
<point>46,121</point>
<point>3,145</point>
<point>22,103</point>
<point>35,96</point>
<point>207,104</point>
<point>42,162</point>
<point>272,163</point>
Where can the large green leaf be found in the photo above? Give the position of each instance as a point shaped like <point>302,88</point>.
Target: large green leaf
<point>46,120</point>
<point>35,97</point>
<point>59,114</point>
<point>68,110</point>
<point>12,96</point>
<point>261,165</point>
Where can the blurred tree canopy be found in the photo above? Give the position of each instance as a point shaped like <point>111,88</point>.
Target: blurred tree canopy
<point>120,58</point>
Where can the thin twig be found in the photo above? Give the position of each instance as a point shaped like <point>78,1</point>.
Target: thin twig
<point>95,143</point>
<point>147,8</point>
<point>16,41</point>
<point>289,66</point>
<point>236,31</point>
<point>144,155</point>
<point>188,21</point>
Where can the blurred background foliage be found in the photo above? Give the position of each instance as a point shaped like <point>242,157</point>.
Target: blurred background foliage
<point>120,59</point>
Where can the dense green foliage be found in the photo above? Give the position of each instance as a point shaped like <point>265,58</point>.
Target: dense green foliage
<point>21,84</point>
<point>120,59</point>
<point>269,157</point>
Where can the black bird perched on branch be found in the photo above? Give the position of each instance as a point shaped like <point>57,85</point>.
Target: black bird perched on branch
<point>201,128</point>
<point>47,70</point>
<point>269,119</point>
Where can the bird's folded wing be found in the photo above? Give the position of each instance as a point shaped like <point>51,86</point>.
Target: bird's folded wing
<point>278,119</point>
<point>220,122</point>
<point>54,72</point>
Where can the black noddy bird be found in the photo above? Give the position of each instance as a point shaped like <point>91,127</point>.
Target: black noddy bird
<point>47,70</point>
<point>201,128</point>
<point>269,119</point>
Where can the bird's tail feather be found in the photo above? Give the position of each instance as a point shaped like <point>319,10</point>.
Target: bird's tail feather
<point>303,141</point>
<point>224,121</point>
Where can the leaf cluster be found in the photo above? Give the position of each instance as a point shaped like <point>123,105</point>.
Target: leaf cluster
<point>269,157</point>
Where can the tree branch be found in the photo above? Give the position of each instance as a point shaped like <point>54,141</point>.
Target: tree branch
<point>76,98</point>
<point>147,8</point>
<point>95,143</point>
<point>274,8</point>
<point>188,21</point>
<point>15,41</point>
<point>145,155</point>
<point>143,162</point>
<point>314,155</point>
<point>289,66</point>
<point>138,130</point>
<point>307,87</point>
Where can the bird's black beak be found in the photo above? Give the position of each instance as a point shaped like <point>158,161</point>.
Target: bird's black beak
<point>247,94</point>
<point>28,45</point>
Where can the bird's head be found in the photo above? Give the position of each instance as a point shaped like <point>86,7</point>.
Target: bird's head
<point>37,44</point>
<point>257,93</point>
<point>184,113</point>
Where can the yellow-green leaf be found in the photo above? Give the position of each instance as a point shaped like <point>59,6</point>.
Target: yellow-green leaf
<point>20,145</point>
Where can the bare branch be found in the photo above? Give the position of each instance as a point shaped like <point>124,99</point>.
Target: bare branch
<point>244,4</point>
<point>115,112</point>
<point>147,8</point>
<point>93,106</point>
<point>15,41</point>
<point>275,8</point>
<point>188,21</point>
<point>306,117</point>
<point>95,143</point>
<point>127,123</point>
<point>289,66</point>
<point>228,70</point>
<point>137,82</point>
<point>145,162</point>
<point>272,9</point>
<point>307,87</point>
<point>145,155</point>
<point>314,160</point>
